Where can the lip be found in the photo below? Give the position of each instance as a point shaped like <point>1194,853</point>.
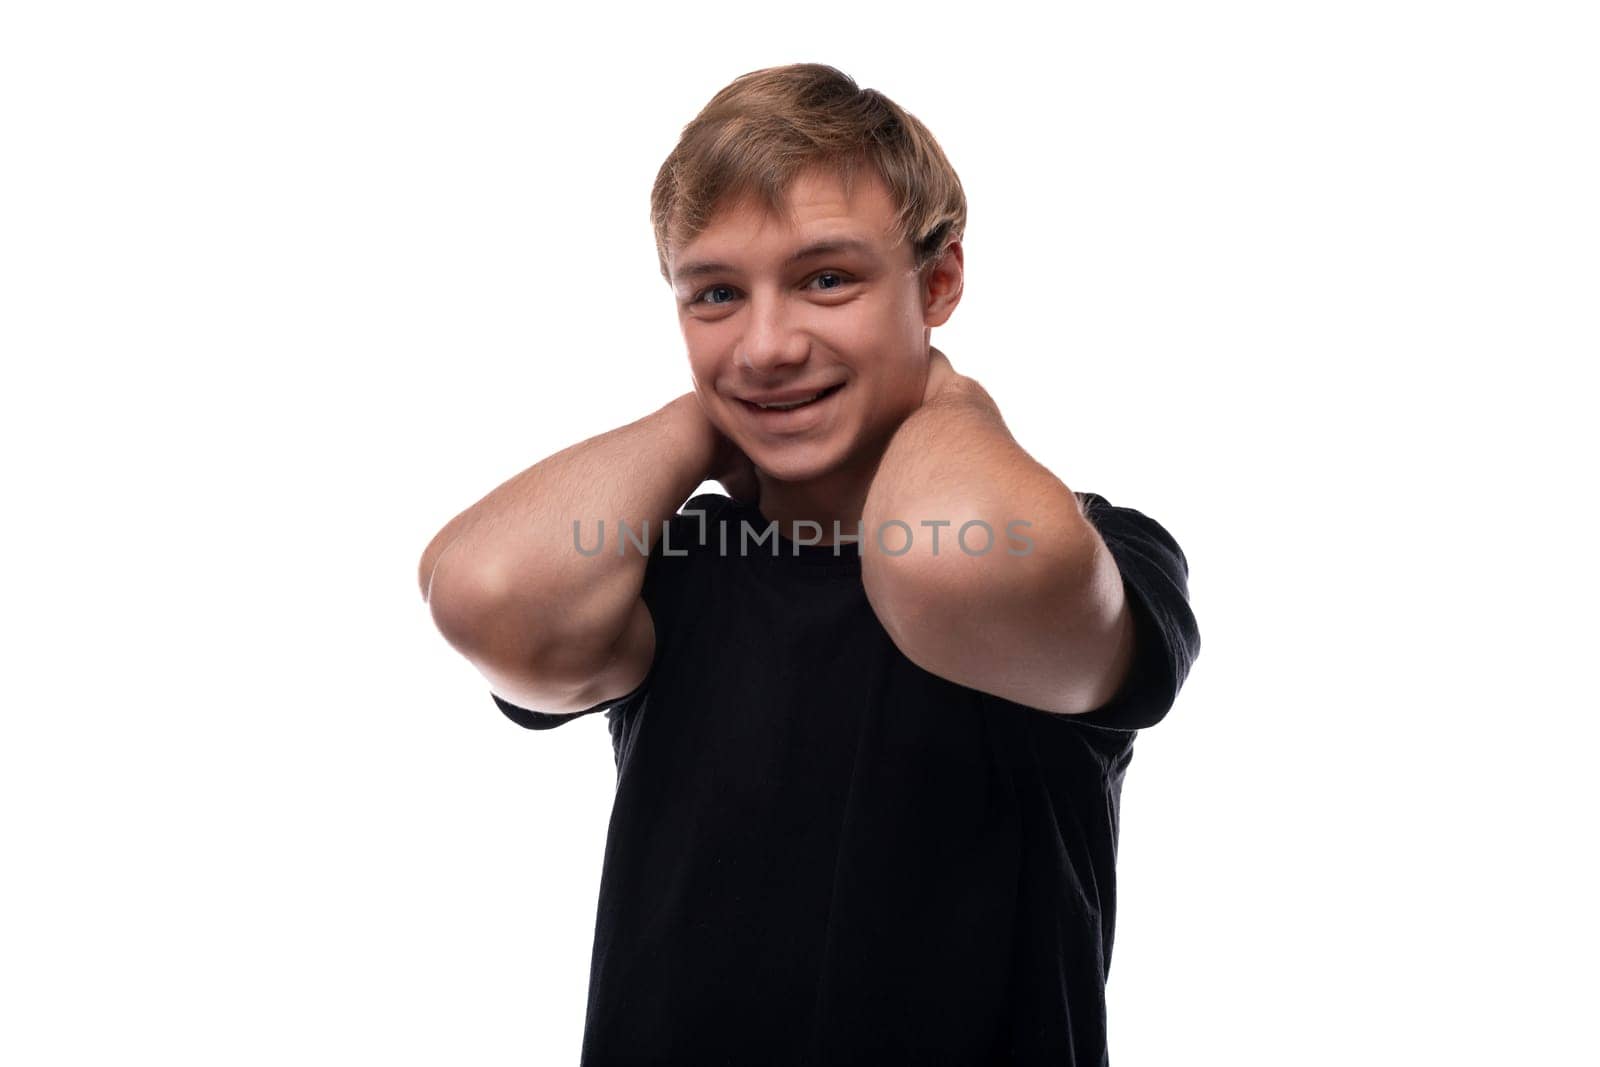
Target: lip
<point>788,396</point>
<point>801,418</point>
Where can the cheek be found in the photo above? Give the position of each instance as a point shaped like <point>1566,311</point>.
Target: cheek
<point>891,392</point>
<point>874,325</point>
<point>704,371</point>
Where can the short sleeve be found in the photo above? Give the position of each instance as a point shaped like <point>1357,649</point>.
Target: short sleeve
<point>543,720</point>
<point>1155,581</point>
<point>666,586</point>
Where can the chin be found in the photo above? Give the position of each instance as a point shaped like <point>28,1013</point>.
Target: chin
<point>796,463</point>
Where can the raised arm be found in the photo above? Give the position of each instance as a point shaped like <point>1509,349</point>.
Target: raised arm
<point>551,628</point>
<point>1047,627</point>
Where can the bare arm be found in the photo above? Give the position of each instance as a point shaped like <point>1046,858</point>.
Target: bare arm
<point>509,590</point>
<point>1048,628</point>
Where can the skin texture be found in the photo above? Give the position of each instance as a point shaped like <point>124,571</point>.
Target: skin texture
<point>907,438</point>
<point>1047,628</point>
<point>764,325</point>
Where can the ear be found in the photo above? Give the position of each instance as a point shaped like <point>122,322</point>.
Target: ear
<point>941,285</point>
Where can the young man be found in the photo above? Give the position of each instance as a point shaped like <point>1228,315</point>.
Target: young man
<point>867,794</point>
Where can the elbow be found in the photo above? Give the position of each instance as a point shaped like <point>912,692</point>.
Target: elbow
<point>429,563</point>
<point>473,610</point>
<point>425,568</point>
<point>486,612</point>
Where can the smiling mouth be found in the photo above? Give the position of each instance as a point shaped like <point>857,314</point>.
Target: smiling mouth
<point>779,408</point>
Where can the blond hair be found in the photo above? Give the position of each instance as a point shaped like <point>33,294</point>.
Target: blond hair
<point>766,127</point>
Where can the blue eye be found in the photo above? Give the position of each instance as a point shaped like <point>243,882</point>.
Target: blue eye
<point>702,297</point>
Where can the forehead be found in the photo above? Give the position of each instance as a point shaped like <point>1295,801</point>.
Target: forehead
<point>816,208</point>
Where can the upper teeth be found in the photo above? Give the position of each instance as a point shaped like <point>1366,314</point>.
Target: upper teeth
<point>793,404</point>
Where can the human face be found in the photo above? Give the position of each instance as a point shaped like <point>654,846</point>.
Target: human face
<point>762,319</point>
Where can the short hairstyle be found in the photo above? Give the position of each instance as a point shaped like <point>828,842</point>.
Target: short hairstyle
<point>768,126</point>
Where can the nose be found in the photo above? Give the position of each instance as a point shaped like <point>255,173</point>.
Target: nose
<point>771,346</point>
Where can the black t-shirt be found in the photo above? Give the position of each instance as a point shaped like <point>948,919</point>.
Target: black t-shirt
<point>821,853</point>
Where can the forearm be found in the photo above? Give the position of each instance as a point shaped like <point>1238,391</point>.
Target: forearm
<point>954,461</point>
<point>1048,629</point>
<point>505,576</point>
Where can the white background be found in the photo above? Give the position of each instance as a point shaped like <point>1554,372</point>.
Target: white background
<point>286,286</point>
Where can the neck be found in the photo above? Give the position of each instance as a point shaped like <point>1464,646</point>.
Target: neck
<point>838,496</point>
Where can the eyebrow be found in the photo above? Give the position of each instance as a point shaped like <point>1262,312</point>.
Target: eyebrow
<point>816,248</point>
